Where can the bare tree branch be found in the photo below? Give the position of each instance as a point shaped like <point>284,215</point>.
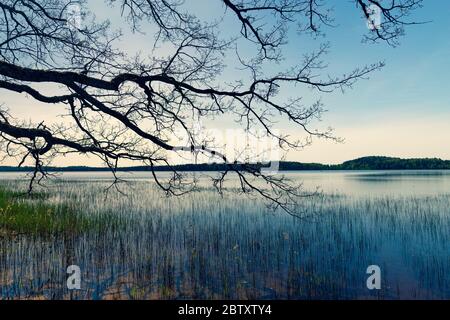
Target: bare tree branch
<point>121,108</point>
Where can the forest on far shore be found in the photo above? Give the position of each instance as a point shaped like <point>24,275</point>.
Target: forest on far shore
<point>365,163</point>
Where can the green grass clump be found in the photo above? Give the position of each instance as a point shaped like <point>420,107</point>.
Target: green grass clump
<point>23,214</point>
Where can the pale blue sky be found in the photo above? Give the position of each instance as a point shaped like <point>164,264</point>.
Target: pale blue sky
<point>402,110</point>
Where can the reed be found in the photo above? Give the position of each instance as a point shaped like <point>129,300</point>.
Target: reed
<point>143,245</point>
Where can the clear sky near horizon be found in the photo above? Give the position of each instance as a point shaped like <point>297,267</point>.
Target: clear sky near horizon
<point>402,110</point>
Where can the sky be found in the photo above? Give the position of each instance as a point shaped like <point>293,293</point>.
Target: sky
<point>402,110</point>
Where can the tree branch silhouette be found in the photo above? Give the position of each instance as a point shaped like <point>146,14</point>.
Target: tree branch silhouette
<point>124,108</point>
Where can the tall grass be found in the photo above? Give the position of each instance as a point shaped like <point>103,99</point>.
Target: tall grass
<point>34,214</point>
<point>205,246</point>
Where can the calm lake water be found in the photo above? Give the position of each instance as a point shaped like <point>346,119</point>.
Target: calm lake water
<point>360,183</point>
<point>211,247</point>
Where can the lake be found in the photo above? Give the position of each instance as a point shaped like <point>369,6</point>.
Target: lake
<point>204,246</point>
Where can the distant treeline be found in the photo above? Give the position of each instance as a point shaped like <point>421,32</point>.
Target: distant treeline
<point>366,163</point>
<point>387,163</point>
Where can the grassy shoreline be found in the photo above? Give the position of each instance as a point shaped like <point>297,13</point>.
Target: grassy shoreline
<point>35,214</point>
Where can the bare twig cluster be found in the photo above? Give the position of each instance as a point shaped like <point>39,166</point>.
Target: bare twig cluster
<point>126,108</point>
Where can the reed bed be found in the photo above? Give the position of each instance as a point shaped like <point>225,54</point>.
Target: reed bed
<point>204,246</point>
